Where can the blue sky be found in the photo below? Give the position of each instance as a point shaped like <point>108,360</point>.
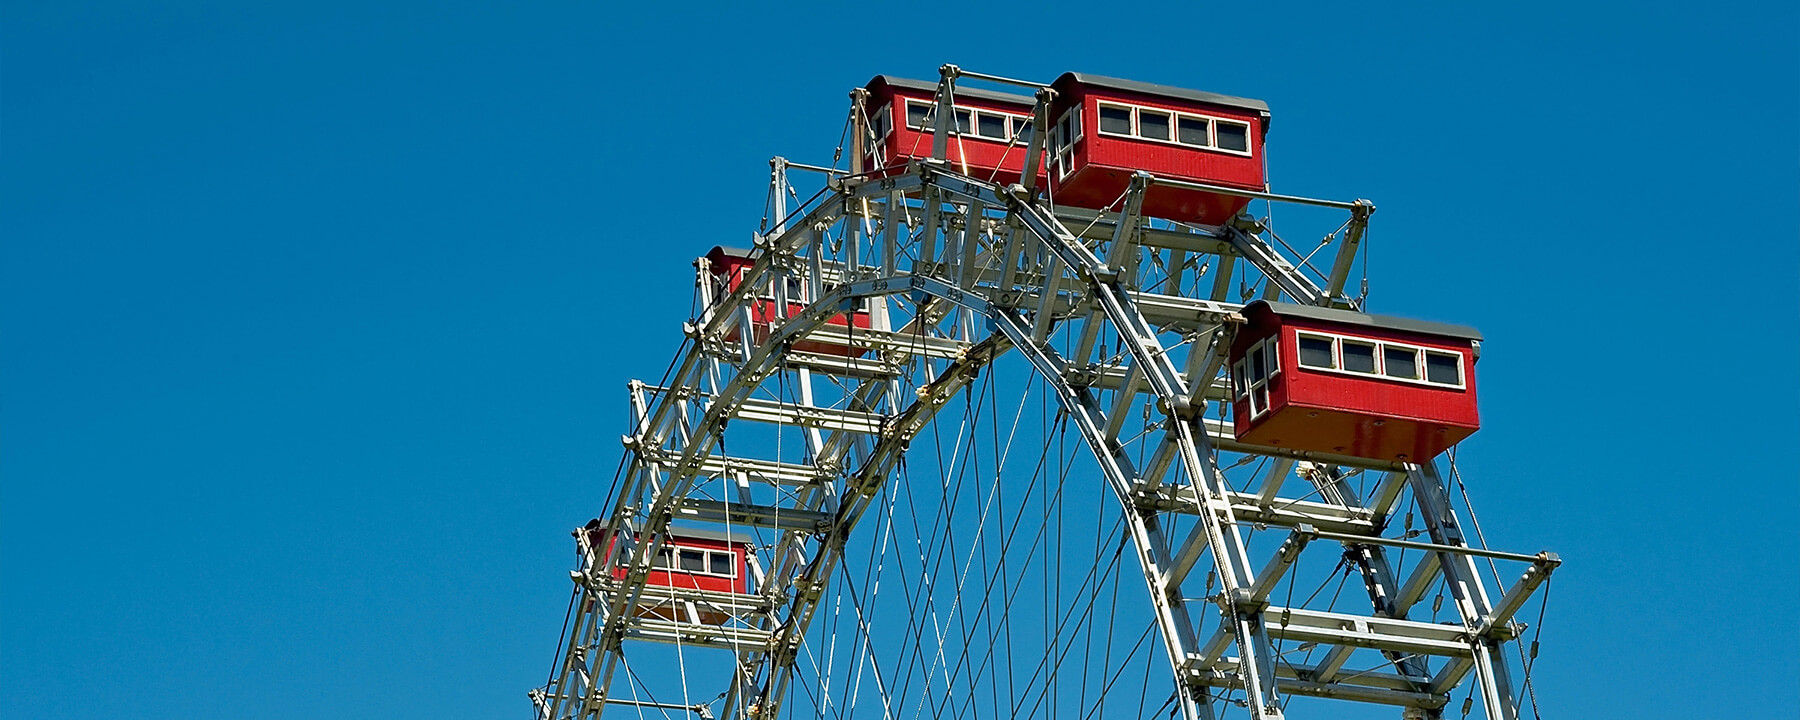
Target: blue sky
<point>315,318</point>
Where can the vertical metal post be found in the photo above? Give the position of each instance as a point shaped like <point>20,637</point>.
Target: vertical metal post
<point>1466,587</point>
<point>855,214</point>
<point>1046,309</point>
<point>778,184</point>
<point>1040,129</point>
<point>1222,277</point>
<point>1346,255</point>
<point>969,269</point>
<point>891,216</point>
<point>859,129</point>
<point>1172,285</point>
<point>928,239</point>
<point>945,115</point>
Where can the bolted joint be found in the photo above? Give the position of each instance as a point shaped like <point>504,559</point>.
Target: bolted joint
<point>1243,222</point>
<point>808,590</point>
<point>1186,409</point>
<point>1241,601</point>
<point>615,635</point>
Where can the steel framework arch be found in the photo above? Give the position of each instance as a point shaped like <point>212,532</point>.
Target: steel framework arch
<point>988,270</point>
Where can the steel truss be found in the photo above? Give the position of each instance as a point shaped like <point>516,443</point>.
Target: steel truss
<point>988,270</point>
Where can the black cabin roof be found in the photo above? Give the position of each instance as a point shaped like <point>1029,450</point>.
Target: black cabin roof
<point>1101,81</point>
<point>1377,322</point>
<point>970,93</point>
<point>722,251</point>
<point>677,532</point>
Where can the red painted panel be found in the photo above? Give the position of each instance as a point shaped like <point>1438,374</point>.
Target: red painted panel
<point>687,580</point>
<point>980,158</point>
<point>763,315</point>
<point>1101,187</point>
<point>1362,416</point>
<point>1104,164</point>
<point>1320,429</point>
<point>1393,398</point>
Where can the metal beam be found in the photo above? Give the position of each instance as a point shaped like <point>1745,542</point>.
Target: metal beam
<point>765,516</point>
<point>770,411</point>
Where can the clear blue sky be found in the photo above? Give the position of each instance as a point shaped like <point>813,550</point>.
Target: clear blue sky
<point>315,318</point>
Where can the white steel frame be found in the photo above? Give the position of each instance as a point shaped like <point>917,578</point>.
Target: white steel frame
<point>992,270</point>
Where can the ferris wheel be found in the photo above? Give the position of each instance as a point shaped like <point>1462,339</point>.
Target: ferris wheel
<point>1003,421</point>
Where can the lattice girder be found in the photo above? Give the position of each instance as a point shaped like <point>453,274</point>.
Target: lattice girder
<point>994,271</point>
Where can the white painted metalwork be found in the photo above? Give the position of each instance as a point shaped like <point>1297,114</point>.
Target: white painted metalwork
<point>955,274</point>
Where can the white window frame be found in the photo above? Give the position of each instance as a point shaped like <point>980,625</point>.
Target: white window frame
<point>1137,123</point>
<point>1300,358</point>
<point>924,125</point>
<point>731,562</point>
<point>1175,118</point>
<point>1062,150</point>
<point>766,290</point>
<point>1130,119</point>
<point>1073,115</point>
<point>1011,121</point>
<point>1017,123</point>
<point>1461,381</point>
<point>673,553</point>
<point>1205,120</point>
<point>1420,352</point>
<point>956,114</point>
<point>975,125</point>
<point>1245,388</point>
<point>1213,132</point>
<point>1374,350</point>
<point>884,120</point>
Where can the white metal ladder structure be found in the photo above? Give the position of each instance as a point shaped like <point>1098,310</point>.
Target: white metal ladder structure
<point>955,273</point>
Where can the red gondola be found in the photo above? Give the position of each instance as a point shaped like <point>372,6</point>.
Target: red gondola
<point>1106,129</point>
<point>1337,381</point>
<point>729,266</point>
<point>690,559</point>
<point>989,138</point>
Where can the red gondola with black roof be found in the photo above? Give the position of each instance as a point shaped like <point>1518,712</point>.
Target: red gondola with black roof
<point>1342,382</point>
<point>730,266</point>
<point>1106,129</point>
<point>689,559</point>
<point>988,140</point>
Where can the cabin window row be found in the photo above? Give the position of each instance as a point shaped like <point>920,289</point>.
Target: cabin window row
<point>696,561</point>
<point>1251,375</point>
<point>1177,128</point>
<point>971,122</point>
<point>1061,142</point>
<point>1391,360</point>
